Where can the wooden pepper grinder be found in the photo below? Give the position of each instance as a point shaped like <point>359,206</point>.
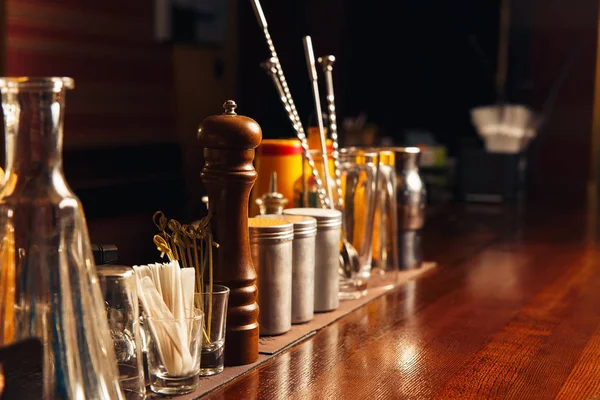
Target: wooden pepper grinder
<point>229,141</point>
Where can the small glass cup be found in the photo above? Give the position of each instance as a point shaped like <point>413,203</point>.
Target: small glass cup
<point>214,304</point>
<point>174,349</point>
<point>120,297</point>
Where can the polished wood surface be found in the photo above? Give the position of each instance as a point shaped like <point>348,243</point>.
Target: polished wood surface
<point>512,312</point>
<point>229,141</point>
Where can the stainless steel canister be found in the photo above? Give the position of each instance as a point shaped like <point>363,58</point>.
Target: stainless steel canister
<point>303,265</point>
<point>327,253</point>
<point>271,248</point>
<point>411,198</point>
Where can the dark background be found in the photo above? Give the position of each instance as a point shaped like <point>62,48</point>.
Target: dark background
<point>409,64</point>
<point>130,127</point>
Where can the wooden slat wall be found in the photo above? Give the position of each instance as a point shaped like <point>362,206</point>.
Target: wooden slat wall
<point>131,122</point>
<point>122,154</point>
<point>2,34</point>
<point>595,167</point>
<point>123,79</point>
<point>562,161</point>
<point>205,77</point>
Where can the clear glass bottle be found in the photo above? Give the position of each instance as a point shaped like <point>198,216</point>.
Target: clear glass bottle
<point>48,283</point>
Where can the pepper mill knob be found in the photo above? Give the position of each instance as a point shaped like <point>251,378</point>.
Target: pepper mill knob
<point>229,107</point>
<point>229,141</point>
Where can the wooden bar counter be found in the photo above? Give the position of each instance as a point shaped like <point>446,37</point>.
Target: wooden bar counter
<point>511,312</point>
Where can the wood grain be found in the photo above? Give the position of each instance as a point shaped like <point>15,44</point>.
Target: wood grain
<point>511,313</point>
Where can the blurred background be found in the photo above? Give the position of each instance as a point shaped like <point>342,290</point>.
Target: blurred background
<point>408,72</point>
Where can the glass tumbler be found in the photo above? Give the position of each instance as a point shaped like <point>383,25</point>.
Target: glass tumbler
<point>174,349</point>
<point>359,170</point>
<point>214,304</point>
<point>120,298</point>
<point>385,226</point>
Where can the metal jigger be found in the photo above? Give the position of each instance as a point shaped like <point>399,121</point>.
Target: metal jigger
<point>273,201</point>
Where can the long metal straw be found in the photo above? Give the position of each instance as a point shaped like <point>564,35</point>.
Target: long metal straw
<point>312,75</point>
<point>288,102</point>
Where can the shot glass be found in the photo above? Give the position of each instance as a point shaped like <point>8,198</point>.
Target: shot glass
<point>174,349</point>
<point>214,304</point>
<point>119,290</point>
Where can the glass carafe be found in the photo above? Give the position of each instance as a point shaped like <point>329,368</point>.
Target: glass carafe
<point>48,283</point>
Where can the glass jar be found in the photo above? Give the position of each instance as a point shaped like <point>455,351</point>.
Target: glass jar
<point>313,198</point>
<point>48,280</point>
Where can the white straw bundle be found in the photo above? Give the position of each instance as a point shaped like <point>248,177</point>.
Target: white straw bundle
<point>167,295</point>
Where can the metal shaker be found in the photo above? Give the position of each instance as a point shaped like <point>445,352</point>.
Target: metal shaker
<point>271,249</point>
<point>303,266</point>
<point>410,199</point>
<point>327,252</point>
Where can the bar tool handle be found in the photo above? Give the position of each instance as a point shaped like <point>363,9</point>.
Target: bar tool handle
<point>262,21</point>
<point>327,64</point>
<point>273,69</point>
<point>260,16</point>
<point>310,58</point>
<point>312,74</point>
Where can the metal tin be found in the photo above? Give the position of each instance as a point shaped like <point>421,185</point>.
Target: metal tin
<point>411,198</point>
<point>271,248</point>
<point>327,255</point>
<point>303,266</point>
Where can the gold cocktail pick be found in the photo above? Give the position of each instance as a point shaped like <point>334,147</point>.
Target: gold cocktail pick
<point>163,247</point>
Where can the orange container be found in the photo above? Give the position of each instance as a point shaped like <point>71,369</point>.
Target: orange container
<point>283,156</point>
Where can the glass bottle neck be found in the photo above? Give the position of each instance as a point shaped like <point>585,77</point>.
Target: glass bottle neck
<point>34,122</point>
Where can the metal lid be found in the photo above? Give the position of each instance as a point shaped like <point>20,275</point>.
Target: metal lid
<point>270,229</point>
<point>303,226</point>
<point>279,147</point>
<point>326,218</point>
